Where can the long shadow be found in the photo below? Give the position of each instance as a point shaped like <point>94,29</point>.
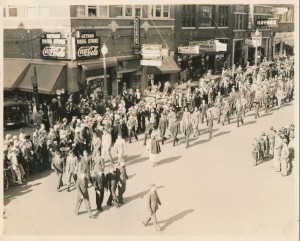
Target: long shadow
<point>142,159</point>
<point>16,191</point>
<point>267,159</point>
<point>249,123</point>
<point>131,176</point>
<point>139,195</point>
<point>266,114</point>
<point>199,142</point>
<point>222,133</point>
<point>130,158</point>
<point>175,218</point>
<point>168,160</point>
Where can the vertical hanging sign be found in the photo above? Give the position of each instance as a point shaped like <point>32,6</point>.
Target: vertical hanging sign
<point>136,31</point>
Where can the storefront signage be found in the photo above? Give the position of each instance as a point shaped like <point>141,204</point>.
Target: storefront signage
<point>255,41</point>
<point>271,22</point>
<point>147,62</point>
<point>53,46</point>
<point>209,45</point>
<point>188,49</point>
<point>151,51</point>
<point>136,31</point>
<point>87,46</point>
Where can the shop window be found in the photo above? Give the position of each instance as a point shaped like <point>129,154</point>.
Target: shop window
<point>188,15</point>
<point>223,16</point>
<point>92,11</point>
<point>80,11</point>
<point>205,16</point>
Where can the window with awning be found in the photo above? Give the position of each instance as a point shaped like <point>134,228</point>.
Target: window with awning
<point>12,75</point>
<point>50,77</point>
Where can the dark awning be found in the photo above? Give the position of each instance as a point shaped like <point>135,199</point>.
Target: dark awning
<point>168,66</point>
<point>50,77</point>
<point>14,71</point>
<point>98,64</point>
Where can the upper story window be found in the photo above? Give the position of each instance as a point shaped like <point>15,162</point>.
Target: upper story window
<point>240,22</point>
<point>188,16</point>
<point>10,11</point>
<point>205,16</point>
<point>223,16</point>
<point>241,8</point>
<point>92,11</point>
<point>37,11</point>
<point>158,11</point>
<point>129,10</point>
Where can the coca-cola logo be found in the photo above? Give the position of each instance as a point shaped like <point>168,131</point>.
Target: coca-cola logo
<point>87,51</point>
<point>54,51</point>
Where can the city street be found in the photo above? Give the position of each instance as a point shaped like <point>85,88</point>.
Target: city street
<point>209,189</point>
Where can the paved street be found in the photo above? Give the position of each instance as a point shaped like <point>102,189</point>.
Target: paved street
<point>209,189</point>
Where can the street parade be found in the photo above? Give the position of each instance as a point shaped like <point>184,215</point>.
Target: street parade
<point>74,137</point>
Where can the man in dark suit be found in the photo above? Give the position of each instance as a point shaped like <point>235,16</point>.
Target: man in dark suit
<point>83,194</point>
<point>122,174</point>
<point>111,185</point>
<point>162,126</point>
<point>152,203</point>
<point>99,184</point>
<point>175,128</point>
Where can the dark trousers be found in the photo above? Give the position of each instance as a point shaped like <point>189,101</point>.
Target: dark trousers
<point>146,135</point>
<point>131,132</point>
<point>153,217</point>
<point>112,197</point>
<point>121,190</point>
<point>175,139</point>
<point>162,135</point>
<point>99,199</point>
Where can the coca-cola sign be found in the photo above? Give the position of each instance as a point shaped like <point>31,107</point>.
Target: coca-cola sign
<point>88,51</point>
<point>87,47</point>
<point>53,51</point>
<point>53,46</point>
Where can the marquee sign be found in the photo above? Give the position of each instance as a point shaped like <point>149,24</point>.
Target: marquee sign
<point>53,46</point>
<point>188,49</point>
<point>209,45</point>
<point>271,22</point>
<point>151,54</point>
<point>87,46</point>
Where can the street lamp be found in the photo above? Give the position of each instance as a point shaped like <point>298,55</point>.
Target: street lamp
<point>104,51</point>
<point>256,34</point>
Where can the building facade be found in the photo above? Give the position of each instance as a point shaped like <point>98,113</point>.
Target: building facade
<point>71,37</point>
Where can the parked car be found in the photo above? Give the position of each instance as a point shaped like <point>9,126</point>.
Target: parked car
<point>12,113</point>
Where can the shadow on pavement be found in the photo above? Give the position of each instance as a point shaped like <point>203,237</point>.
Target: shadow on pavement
<point>222,133</point>
<point>16,191</point>
<point>265,114</point>
<point>139,195</point>
<point>175,218</point>
<point>248,123</point>
<point>142,159</point>
<point>199,142</point>
<point>131,176</point>
<point>130,158</point>
<point>168,160</point>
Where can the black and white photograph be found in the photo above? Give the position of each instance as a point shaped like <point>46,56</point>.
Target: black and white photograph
<point>150,120</point>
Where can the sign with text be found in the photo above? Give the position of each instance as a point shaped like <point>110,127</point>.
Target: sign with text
<point>188,49</point>
<point>148,62</point>
<point>53,46</point>
<point>271,22</point>
<point>136,31</point>
<point>151,51</point>
<point>87,46</point>
<point>209,45</point>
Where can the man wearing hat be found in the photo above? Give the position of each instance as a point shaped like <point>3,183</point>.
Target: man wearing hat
<point>58,165</point>
<point>71,164</point>
<point>277,151</point>
<point>131,125</point>
<point>83,195</point>
<point>152,203</point>
<point>99,185</point>
<point>271,138</point>
<point>120,146</point>
<point>153,149</point>
<point>284,157</point>
<point>175,129</point>
<point>162,126</point>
